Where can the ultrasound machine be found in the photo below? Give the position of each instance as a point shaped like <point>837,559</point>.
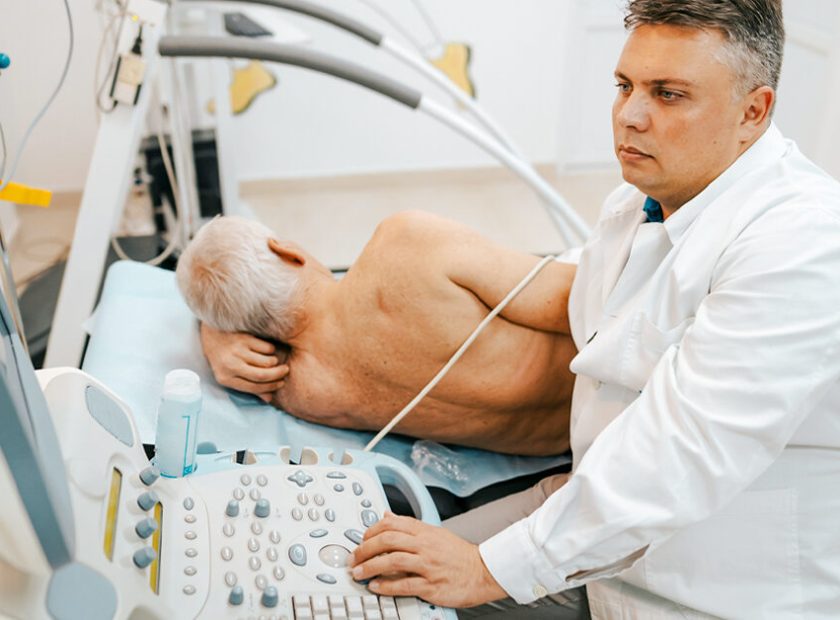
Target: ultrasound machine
<point>89,530</point>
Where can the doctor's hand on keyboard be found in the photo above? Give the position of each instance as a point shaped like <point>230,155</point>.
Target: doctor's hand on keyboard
<point>244,362</point>
<point>402,556</point>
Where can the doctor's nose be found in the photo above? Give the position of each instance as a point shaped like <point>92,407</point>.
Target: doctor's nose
<point>632,111</point>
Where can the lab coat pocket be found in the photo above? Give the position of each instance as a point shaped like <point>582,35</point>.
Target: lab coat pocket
<point>751,546</point>
<point>646,344</point>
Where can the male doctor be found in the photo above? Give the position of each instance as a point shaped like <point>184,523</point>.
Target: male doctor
<point>706,311</point>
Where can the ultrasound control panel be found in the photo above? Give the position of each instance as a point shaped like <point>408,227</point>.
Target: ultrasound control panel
<point>278,537</point>
<point>266,536</point>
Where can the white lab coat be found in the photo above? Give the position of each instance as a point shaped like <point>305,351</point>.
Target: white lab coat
<point>706,413</point>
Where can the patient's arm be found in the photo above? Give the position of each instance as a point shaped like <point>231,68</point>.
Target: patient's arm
<point>244,362</point>
<point>489,270</point>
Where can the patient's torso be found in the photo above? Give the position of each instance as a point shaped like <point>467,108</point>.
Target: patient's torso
<point>399,325</point>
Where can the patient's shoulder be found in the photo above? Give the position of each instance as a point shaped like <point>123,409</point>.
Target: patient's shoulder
<point>414,226</point>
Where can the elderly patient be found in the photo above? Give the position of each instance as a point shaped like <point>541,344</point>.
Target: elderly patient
<point>352,352</point>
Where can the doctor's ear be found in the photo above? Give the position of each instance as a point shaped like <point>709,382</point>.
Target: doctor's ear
<point>287,252</point>
<point>758,106</point>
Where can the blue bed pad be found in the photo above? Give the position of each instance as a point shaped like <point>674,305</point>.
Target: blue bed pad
<point>142,329</point>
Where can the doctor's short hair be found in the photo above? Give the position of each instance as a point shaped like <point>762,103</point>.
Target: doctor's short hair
<point>754,29</point>
<point>233,282</point>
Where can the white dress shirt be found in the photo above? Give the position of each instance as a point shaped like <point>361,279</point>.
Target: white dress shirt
<point>706,412</point>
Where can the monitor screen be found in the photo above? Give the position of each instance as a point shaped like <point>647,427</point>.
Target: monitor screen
<point>31,460</point>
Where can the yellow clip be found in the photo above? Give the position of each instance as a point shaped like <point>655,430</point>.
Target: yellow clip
<point>455,63</point>
<point>25,195</point>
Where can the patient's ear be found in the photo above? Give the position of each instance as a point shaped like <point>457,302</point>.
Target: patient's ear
<point>287,252</point>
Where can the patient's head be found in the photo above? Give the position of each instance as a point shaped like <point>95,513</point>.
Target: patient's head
<point>234,281</point>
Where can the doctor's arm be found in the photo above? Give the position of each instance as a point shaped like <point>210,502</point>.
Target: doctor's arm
<point>717,411</point>
<point>244,362</point>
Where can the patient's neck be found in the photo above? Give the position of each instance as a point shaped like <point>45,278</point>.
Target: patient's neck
<point>318,313</point>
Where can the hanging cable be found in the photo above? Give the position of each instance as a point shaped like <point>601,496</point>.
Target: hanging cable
<point>13,168</point>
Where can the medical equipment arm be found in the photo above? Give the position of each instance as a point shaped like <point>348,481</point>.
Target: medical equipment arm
<point>210,47</point>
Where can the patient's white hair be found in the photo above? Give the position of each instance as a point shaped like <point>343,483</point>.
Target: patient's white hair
<point>232,281</point>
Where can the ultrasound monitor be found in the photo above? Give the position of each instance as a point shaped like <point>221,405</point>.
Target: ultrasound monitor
<point>36,525</point>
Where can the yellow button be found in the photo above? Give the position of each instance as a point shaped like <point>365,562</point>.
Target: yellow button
<point>539,591</point>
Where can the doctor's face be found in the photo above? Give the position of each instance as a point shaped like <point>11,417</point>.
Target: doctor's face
<point>675,117</point>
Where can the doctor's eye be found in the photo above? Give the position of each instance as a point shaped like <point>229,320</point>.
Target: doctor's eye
<point>669,95</point>
<point>623,87</point>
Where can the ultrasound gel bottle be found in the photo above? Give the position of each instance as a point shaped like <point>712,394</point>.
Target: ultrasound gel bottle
<point>177,423</point>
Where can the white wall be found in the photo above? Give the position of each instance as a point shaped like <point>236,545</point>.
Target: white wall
<point>34,34</point>
<point>315,125</point>
<point>310,124</point>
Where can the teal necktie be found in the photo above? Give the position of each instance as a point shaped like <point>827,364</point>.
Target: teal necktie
<point>653,210</point>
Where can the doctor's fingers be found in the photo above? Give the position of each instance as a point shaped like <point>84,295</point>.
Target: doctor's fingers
<point>392,522</point>
<point>385,542</point>
<point>397,563</point>
<point>411,585</point>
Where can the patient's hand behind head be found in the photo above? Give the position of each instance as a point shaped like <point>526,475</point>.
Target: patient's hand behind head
<point>232,281</point>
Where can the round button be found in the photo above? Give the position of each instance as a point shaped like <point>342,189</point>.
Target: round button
<point>147,500</point>
<point>274,536</point>
<point>146,527</point>
<point>279,573</point>
<point>297,554</point>
<point>357,488</point>
<point>238,494</point>
<point>261,582</point>
<point>245,479</point>
<point>334,555</point>
<point>189,589</point>
<point>338,488</point>
<point>271,554</point>
<point>143,557</point>
<point>190,552</point>
<point>237,595</point>
<point>539,591</point>
<point>329,514</point>
<point>313,514</point>
<point>230,579</point>
<point>319,499</point>
<point>189,504</point>
<point>228,529</point>
<point>303,499</point>
<point>254,494</point>
<point>227,554</point>
<point>254,562</point>
<point>297,514</point>
<point>262,480</point>
<point>326,578</point>
<point>149,475</point>
<point>366,503</point>
<point>269,597</point>
<point>189,518</point>
<point>232,508</point>
<point>253,545</point>
<point>263,508</point>
<point>256,528</point>
<point>189,571</point>
<point>190,535</point>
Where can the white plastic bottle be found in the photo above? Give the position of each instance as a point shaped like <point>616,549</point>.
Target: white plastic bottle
<point>177,423</point>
